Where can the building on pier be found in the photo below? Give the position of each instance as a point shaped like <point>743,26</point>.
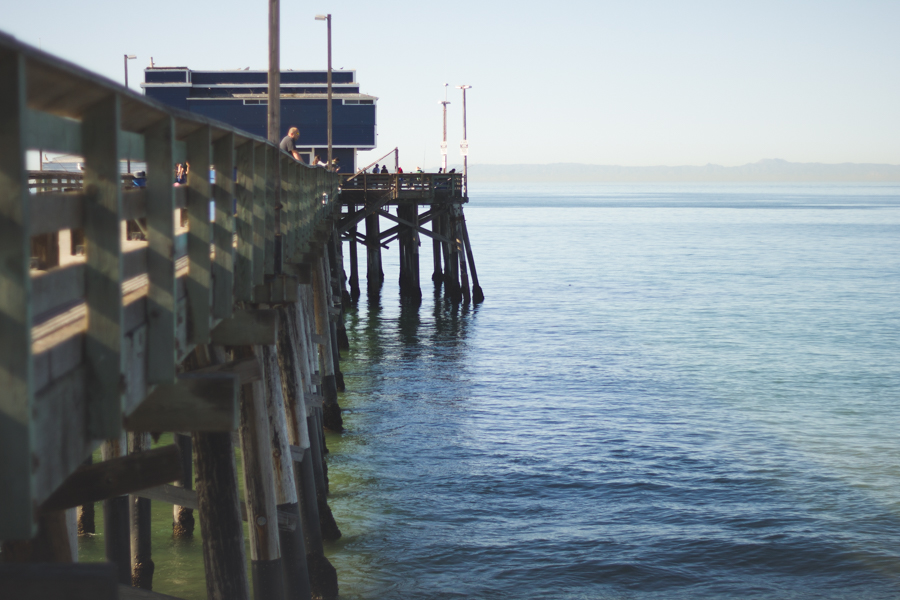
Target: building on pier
<point>240,99</point>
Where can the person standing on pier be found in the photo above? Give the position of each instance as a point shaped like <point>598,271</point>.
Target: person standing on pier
<point>288,143</point>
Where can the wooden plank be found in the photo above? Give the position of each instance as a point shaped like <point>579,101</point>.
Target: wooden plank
<point>244,193</point>
<point>116,477</point>
<point>103,276</point>
<point>52,133</point>
<point>200,232</point>
<point>16,367</point>
<point>195,402</point>
<point>161,294</point>
<point>223,227</point>
<point>260,190</point>
<point>415,226</point>
<point>247,328</point>
<point>57,581</point>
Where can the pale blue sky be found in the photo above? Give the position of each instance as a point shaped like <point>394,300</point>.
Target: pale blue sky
<point>631,83</point>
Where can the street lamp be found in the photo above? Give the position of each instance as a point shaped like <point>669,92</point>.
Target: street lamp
<point>444,143</point>
<point>127,58</point>
<point>464,145</point>
<point>328,19</point>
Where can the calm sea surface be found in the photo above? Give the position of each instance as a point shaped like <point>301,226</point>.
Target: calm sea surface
<point>671,391</point>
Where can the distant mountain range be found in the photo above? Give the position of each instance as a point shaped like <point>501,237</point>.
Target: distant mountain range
<point>768,170</point>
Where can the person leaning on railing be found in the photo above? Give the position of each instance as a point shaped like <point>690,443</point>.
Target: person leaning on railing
<point>288,143</point>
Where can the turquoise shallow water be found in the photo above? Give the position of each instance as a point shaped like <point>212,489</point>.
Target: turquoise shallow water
<point>670,392</point>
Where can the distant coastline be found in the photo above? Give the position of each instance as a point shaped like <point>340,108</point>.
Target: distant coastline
<point>768,170</point>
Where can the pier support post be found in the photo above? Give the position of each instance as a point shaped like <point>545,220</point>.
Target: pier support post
<point>86,524</point>
<point>451,273</point>
<point>354,262</point>
<point>460,251</point>
<point>437,275</point>
<point>374,272</point>
<point>259,492</point>
<point>408,240</point>
<point>293,552</point>
<point>116,529</point>
<point>142,566</point>
<point>183,517</point>
<point>292,348</point>
<point>334,313</point>
<point>477,293</point>
<point>220,516</point>
<point>331,410</point>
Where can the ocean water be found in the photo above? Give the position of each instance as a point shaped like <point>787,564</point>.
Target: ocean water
<point>671,391</point>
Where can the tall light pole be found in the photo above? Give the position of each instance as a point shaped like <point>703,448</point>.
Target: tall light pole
<point>328,19</point>
<point>464,145</point>
<point>273,112</point>
<point>127,58</point>
<point>444,143</point>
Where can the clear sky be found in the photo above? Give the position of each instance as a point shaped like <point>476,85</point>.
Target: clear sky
<point>642,82</point>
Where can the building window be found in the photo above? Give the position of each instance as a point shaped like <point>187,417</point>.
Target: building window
<point>359,102</point>
<point>256,102</point>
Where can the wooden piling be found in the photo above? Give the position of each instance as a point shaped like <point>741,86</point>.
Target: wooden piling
<point>437,276</point>
<point>86,524</point>
<point>408,241</point>
<point>293,552</point>
<point>331,410</point>
<point>354,262</point>
<point>142,565</point>
<point>219,508</point>
<point>477,293</point>
<point>116,525</point>
<point>259,491</point>
<point>374,272</point>
<point>457,240</point>
<point>183,517</point>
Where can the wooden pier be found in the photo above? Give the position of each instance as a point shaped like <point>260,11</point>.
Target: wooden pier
<point>368,197</point>
<point>128,312</point>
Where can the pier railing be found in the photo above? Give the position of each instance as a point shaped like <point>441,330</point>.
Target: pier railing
<point>85,343</point>
<point>425,188</point>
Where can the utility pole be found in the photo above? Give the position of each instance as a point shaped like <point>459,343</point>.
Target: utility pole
<point>464,145</point>
<point>328,19</point>
<point>127,58</point>
<point>274,99</point>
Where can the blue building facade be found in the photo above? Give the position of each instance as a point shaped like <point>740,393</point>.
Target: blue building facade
<point>240,98</point>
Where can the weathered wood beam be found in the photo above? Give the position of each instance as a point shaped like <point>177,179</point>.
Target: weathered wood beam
<point>412,225</point>
<point>195,402</point>
<point>77,581</point>
<point>277,289</point>
<point>115,477</point>
<point>16,369</point>
<point>247,327</point>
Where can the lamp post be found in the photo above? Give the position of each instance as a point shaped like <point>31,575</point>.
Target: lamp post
<point>444,143</point>
<point>127,58</point>
<point>464,145</point>
<point>328,19</point>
